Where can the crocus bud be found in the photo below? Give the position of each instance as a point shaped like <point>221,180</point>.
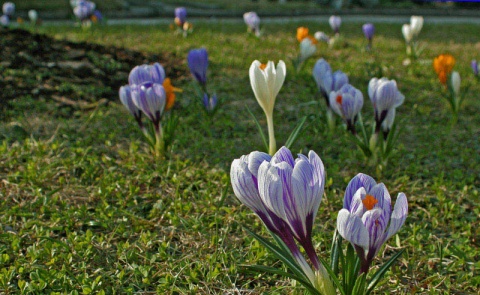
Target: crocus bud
<point>384,95</point>
<point>307,48</point>
<point>455,80</point>
<point>209,102</point>
<point>347,103</point>
<point>321,36</point>
<point>198,63</point>
<point>416,24</point>
<point>4,21</point>
<point>407,33</point>
<point>8,8</point>
<point>368,31</point>
<point>150,98</point>
<point>474,65</point>
<point>335,22</point>
<point>33,15</point>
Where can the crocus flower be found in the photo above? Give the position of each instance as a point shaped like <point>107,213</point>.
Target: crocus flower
<point>266,82</point>
<point>416,24</point>
<point>97,16</point>
<point>321,36</point>
<point>335,22</point>
<point>209,102</point>
<point>407,33</point>
<point>4,21</point>
<point>368,31</point>
<point>252,21</point>
<point>150,98</point>
<point>82,11</point>
<point>367,220</point>
<point>125,95</point>
<point>455,82</point>
<point>180,16</point>
<point>147,73</point>
<point>286,194</point>
<point>33,15</point>
<point>347,103</point>
<point>198,64</point>
<point>302,33</point>
<point>474,66</point>
<point>326,81</point>
<point>385,96</point>
<point>443,66</point>
<point>307,48</point>
<point>8,8</point>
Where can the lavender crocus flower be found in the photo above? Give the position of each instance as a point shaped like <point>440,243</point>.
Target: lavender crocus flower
<point>84,10</point>
<point>347,102</point>
<point>198,64</point>
<point>4,21</point>
<point>368,31</point>
<point>150,98</point>
<point>385,96</point>
<point>252,21</point>
<point>326,81</point>
<point>180,15</point>
<point>8,8</point>
<point>335,22</point>
<point>154,73</point>
<point>474,65</point>
<point>367,220</point>
<point>210,102</point>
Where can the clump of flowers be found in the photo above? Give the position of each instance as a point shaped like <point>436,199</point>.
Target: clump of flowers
<point>86,13</point>
<point>410,33</point>
<point>328,81</point>
<point>443,65</point>
<point>150,93</point>
<point>307,47</point>
<point>8,9</point>
<point>198,63</point>
<point>252,20</point>
<point>285,193</point>
<point>182,26</point>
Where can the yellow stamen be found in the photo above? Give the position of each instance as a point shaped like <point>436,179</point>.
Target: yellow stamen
<point>262,66</point>
<point>369,202</point>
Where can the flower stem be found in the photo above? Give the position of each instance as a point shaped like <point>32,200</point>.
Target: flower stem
<point>272,149</point>
<point>159,142</point>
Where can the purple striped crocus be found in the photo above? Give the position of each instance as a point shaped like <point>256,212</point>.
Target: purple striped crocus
<point>385,97</point>
<point>253,22</point>
<point>8,8</point>
<point>347,103</point>
<point>4,21</point>
<point>335,22</point>
<point>180,16</point>
<point>326,80</point>
<point>198,63</point>
<point>209,102</point>
<point>147,73</point>
<point>368,31</point>
<point>125,95</point>
<point>150,98</point>
<point>367,220</point>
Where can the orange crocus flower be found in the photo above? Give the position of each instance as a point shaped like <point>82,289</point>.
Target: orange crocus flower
<point>170,92</point>
<point>302,33</point>
<point>443,65</point>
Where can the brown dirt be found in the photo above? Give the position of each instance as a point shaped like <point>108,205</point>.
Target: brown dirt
<point>78,75</point>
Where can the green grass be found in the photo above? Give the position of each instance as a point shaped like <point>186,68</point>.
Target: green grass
<point>86,209</point>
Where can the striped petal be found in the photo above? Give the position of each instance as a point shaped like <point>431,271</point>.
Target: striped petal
<point>399,215</point>
<point>351,228</point>
<point>270,187</point>
<point>360,180</point>
<point>283,155</point>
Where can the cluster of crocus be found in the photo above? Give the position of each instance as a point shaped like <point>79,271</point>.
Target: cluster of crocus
<point>369,31</point>
<point>328,81</point>
<point>285,193</point>
<point>198,63</point>
<point>151,93</point>
<point>443,66</point>
<point>252,20</point>
<point>85,12</point>
<point>410,33</point>
<point>180,21</point>
<point>266,81</point>
<point>307,47</point>
<point>8,9</point>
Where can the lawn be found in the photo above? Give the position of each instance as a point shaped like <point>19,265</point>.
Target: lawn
<point>87,209</point>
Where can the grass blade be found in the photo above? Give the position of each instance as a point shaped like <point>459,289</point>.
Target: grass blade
<point>295,133</point>
<point>259,129</point>
<point>381,272</point>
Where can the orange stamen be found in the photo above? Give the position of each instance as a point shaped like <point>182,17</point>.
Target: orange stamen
<point>369,202</point>
<point>170,92</point>
<point>262,66</point>
<point>339,99</point>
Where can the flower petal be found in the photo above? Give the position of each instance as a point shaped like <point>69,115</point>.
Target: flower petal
<point>351,228</point>
<point>399,215</point>
<point>360,180</point>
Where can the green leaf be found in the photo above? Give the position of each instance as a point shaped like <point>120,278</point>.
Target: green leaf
<point>359,288</point>
<point>381,272</point>
<point>285,257</point>
<point>333,276</point>
<point>272,270</point>
<point>335,252</point>
<point>295,133</point>
<point>259,129</point>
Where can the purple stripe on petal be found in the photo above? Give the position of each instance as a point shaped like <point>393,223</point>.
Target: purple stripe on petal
<point>139,75</point>
<point>356,207</point>
<point>283,155</point>
<point>399,215</point>
<point>380,193</point>
<point>351,228</point>
<point>271,189</point>
<point>375,225</point>
<point>255,159</point>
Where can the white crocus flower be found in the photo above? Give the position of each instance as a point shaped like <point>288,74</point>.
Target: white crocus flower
<point>407,33</point>
<point>266,81</point>
<point>416,24</point>
<point>307,49</point>
<point>455,80</point>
